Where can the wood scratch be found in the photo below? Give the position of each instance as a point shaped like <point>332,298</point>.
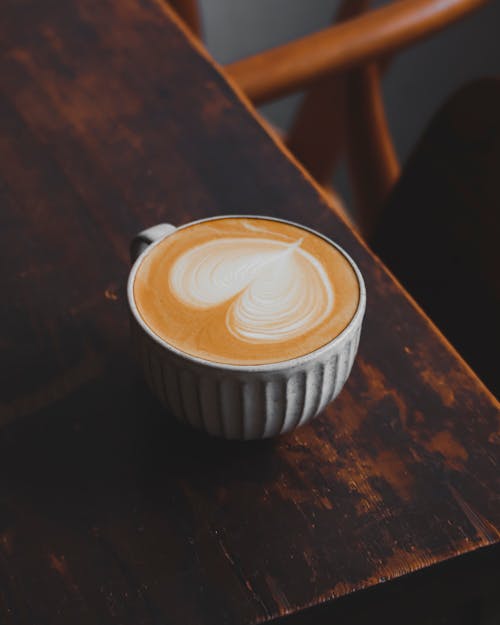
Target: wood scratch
<point>59,564</point>
<point>6,542</point>
<point>243,578</point>
<point>484,528</point>
<point>278,595</point>
<point>226,553</point>
<point>110,293</point>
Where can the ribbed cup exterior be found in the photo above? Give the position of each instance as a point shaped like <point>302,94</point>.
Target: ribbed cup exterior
<point>246,402</point>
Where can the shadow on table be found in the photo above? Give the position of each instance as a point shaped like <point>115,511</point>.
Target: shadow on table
<point>113,436</point>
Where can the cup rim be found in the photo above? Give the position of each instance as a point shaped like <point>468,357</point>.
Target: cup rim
<point>264,367</point>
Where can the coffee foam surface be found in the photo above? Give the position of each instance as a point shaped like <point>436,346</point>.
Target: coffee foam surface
<point>246,290</point>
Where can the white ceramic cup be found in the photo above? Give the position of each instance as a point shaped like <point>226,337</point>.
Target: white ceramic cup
<point>241,401</point>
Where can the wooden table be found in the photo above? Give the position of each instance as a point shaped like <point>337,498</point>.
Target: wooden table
<point>113,120</point>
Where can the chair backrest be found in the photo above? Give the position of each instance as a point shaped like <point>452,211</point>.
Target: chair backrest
<point>341,67</point>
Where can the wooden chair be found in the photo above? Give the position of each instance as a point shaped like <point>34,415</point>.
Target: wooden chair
<point>453,214</point>
<point>343,110</point>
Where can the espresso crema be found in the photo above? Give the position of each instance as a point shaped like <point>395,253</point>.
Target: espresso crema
<point>245,291</point>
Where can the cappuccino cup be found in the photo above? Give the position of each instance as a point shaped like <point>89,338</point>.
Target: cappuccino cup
<point>245,327</point>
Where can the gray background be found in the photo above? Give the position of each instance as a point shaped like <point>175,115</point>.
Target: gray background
<point>417,83</point>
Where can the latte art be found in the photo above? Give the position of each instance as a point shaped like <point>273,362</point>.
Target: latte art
<point>246,291</point>
<point>278,291</point>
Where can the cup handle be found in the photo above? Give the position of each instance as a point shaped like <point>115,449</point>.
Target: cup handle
<point>142,240</point>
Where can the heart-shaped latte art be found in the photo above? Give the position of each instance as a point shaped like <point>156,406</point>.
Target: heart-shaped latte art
<point>275,291</point>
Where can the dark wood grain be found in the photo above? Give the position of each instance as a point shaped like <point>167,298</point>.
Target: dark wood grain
<point>111,513</point>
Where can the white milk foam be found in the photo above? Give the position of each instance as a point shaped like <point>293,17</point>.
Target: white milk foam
<point>279,290</point>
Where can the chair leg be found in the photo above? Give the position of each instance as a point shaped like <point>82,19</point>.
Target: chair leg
<point>316,135</point>
<point>371,157</point>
